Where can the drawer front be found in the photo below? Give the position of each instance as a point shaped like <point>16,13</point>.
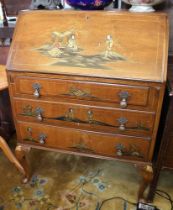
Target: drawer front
<point>123,95</point>
<point>94,143</point>
<point>85,116</point>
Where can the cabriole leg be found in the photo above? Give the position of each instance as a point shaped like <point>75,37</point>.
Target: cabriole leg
<point>147,176</point>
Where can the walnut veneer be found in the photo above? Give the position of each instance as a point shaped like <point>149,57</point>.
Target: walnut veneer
<point>89,83</point>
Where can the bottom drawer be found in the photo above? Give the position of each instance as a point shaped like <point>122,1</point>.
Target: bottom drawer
<point>69,139</point>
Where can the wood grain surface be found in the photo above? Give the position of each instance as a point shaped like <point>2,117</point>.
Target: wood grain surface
<point>129,46</point>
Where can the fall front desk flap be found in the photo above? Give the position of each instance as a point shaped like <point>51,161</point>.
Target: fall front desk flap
<point>106,44</point>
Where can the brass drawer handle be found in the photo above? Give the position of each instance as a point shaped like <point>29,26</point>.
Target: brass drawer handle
<point>90,116</point>
<point>36,88</point>
<point>124,95</point>
<point>133,150</point>
<point>38,113</point>
<point>122,121</point>
<point>120,148</point>
<point>42,138</point>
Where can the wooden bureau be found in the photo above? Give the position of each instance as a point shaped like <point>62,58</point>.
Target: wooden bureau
<point>89,83</point>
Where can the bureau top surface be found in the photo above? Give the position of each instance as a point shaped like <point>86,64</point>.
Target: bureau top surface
<point>107,44</point>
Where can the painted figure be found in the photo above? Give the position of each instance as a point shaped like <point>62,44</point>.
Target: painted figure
<point>64,45</point>
<point>109,45</point>
<point>72,43</point>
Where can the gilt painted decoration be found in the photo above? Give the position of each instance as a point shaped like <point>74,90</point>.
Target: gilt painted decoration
<point>98,43</point>
<point>29,111</point>
<point>65,47</point>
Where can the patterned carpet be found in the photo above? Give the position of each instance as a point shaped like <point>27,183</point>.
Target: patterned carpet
<point>68,182</point>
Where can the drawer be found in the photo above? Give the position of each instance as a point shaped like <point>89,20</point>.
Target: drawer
<point>76,140</point>
<point>123,95</point>
<point>86,116</point>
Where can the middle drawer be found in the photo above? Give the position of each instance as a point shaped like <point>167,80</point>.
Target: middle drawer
<point>98,118</point>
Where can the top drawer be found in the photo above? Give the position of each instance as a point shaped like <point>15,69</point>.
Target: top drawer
<point>123,95</point>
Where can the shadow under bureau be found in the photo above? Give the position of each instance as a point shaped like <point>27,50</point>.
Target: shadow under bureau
<point>89,83</point>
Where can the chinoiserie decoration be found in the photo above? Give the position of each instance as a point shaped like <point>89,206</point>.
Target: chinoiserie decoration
<point>64,46</point>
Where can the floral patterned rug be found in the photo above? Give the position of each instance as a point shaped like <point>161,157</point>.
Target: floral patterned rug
<point>68,182</point>
<point>85,194</point>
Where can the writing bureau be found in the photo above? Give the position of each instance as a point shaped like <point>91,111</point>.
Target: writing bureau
<point>89,83</point>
